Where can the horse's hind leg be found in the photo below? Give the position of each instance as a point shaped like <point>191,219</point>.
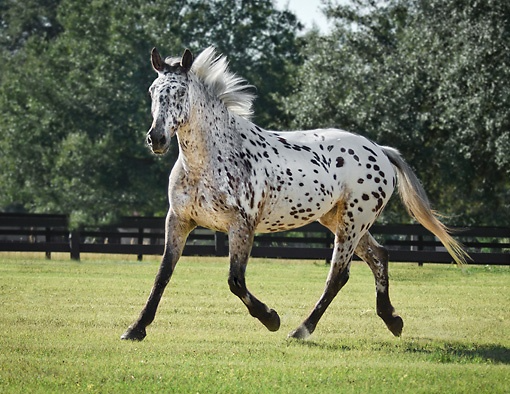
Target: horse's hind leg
<point>337,278</point>
<point>376,257</point>
<point>240,244</point>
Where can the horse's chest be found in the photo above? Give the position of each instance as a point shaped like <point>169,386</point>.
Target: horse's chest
<point>207,201</point>
<point>210,208</point>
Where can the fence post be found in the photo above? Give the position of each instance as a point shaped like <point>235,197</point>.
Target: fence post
<point>48,240</point>
<point>420,247</point>
<point>219,244</point>
<point>140,242</point>
<point>74,244</point>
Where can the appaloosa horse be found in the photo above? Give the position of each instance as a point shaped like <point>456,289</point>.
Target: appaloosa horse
<point>233,176</point>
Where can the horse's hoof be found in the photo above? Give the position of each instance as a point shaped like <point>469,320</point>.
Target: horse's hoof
<point>272,322</point>
<point>396,325</point>
<point>300,333</point>
<point>134,334</point>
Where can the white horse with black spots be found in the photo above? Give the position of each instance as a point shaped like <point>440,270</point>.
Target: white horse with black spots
<point>232,176</point>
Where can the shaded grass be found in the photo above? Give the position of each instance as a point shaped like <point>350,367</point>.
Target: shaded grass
<point>61,322</point>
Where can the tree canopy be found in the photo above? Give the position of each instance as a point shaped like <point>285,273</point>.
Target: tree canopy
<point>73,94</point>
<point>429,77</point>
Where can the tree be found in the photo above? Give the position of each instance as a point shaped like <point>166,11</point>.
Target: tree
<point>20,20</point>
<point>74,107</point>
<point>261,45</point>
<point>428,77</point>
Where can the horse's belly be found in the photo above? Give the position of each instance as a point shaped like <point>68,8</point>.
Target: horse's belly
<point>274,224</point>
<point>293,211</point>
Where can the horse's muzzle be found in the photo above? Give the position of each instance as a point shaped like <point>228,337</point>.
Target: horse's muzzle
<point>157,141</point>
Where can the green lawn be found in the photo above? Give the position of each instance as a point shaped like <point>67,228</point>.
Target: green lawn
<point>61,322</point>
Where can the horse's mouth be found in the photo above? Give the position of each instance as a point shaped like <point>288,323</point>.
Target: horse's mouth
<point>159,151</point>
<point>158,148</point>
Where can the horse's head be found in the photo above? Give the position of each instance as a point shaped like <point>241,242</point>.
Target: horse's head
<point>170,104</point>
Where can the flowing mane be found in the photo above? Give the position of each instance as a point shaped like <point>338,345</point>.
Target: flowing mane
<point>212,69</point>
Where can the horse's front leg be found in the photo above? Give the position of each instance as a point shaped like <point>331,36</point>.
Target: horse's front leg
<point>240,244</point>
<point>176,232</point>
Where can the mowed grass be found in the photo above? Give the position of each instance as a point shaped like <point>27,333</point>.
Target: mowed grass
<point>60,324</point>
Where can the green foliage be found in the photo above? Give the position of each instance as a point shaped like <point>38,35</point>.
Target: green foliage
<point>73,98</point>
<point>61,327</point>
<point>428,77</point>
<point>20,20</point>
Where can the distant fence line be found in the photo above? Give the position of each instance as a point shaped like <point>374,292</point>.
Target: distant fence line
<point>145,236</point>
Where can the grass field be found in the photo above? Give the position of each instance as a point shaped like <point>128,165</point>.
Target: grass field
<point>61,321</point>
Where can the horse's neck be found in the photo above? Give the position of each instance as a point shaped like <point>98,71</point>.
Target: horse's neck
<point>210,125</point>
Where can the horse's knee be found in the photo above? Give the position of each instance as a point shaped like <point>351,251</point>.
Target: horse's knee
<point>340,280</point>
<point>237,285</point>
<point>344,276</point>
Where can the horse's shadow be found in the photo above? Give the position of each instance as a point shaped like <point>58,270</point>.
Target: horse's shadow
<point>435,350</point>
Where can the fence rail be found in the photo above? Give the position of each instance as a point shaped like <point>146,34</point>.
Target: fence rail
<point>145,236</point>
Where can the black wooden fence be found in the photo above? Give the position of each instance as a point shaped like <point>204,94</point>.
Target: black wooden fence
<point>145,236</point>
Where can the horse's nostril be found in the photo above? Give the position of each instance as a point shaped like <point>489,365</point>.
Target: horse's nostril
<point>149,140</point>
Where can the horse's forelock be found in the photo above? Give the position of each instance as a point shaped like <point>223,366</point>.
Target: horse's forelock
<point>173,61</point>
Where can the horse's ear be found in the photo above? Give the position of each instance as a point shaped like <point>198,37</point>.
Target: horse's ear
<point>187,60</point>
<point>157,62</point>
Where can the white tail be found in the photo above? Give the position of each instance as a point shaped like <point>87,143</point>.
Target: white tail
<point>417,204</point>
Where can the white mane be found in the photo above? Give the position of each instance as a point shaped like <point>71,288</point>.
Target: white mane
<point>213,70</point>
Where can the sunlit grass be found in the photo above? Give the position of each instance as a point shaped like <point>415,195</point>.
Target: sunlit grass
<point>61,321</point>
